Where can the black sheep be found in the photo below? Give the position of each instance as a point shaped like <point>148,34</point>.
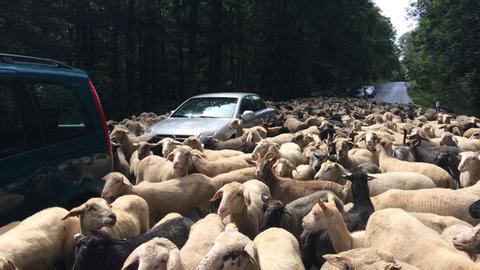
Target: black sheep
<point>315,245</point>
<point>99,251</point>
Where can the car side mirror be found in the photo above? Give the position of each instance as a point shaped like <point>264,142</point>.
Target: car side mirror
<point>248,115</point>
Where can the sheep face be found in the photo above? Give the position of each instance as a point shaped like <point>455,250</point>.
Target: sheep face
<point>144,149</point>
<point>94,214</point>
<point>261,149</point>
<point>232,250</point>
<point>329,171</point>
<point>371,139</point>
<point>87,249</point>
<point>193,142</point>
<point>385,146</point>
<point>180,157</point>
<point>469,161</point>
<point>6,264</point>
<point>283,168</point>
<point>234,199</point>
<point>158,253</point>
<point>116,185</point>
<point>468,241</point>
<point>273,211</point>
<point>316,219</point>
<point>168,145</point>
<point>317,158</point>
<point>265,164</point>
<point>448,139</point>
<point>342,147</point>
<point>119,133</point>
<point>234,124</point>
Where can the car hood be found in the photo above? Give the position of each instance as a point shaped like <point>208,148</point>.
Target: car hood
<point>187,126</point>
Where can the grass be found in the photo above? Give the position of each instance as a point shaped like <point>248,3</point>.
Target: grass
<point>421,98</point>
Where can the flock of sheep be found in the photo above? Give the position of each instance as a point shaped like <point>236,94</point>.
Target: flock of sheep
<point>331,184</point>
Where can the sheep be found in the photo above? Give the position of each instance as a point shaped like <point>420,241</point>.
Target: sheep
<point>287,190</point>
<point>168,145</point>
<point>231,250</point>
<point>283,168</point>
<point>180,195</point>
<point>239,130</point>
<point>354,157</point>
<point>289,217</point>
<point>281,139</point>
<point>469,168</point>
<point>440,201</point>
<point>120,134</point>
<point>468,241</point>
<point>278,250</point>
<point>364,259</point>
<point>202,237</point>
<point>39,241</point>
<point>437,222</point>
<point>8,227</point>
<point>303,172</point>
<point>389,164</point>
<point>200,164</point>
<point>144,150</point>
<point>158,253</point>
<point>291,124</point>
<point>212,155</point>
<point>157,169</point>
<point>239,143</point>
<point>241,204</point>
<point>126,217</point>
<point>334,172</point>
<point>120,163</point>
<point>290,151</point>
<point>240,176</point>
<point>99,251</point>
<point>406,238</point>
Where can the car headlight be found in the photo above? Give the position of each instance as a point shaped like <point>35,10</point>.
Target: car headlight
<point>206,134</point>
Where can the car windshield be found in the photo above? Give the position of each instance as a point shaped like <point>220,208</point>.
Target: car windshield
<point>208,108</point>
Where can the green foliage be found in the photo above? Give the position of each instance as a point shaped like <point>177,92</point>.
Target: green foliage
<point>442,56</point>
<point>147,54</point>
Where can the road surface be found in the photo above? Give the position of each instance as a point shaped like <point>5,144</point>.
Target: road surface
<point>394,92</point>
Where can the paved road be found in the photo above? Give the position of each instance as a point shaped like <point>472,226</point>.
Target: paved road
<point>394,92</point>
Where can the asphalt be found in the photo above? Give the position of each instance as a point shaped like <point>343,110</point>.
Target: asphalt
<point>393,92</point>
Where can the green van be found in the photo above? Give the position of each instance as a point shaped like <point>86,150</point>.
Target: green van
<point>54,142</point>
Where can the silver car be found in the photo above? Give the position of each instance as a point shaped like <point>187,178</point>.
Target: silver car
<point>208,115</point>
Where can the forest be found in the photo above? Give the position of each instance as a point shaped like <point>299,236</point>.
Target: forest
<point>442,55</point>
<point>146,55</point>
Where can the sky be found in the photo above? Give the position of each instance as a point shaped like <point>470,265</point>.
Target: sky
<point>396,10</point>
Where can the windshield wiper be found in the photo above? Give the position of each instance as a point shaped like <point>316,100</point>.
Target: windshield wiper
<point>180,116</point>
<point>204,116</point>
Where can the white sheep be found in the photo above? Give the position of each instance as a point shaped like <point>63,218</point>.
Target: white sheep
<point>351,158</point>
<point>156,254</point>
<point>278,250</point>
<point>125,218</point>
<point>157,169</point>
<point>143,151</point>
<point>469,168</point>
<point>406,238</point>
<point>39,241</point>
<point>303,172</point>
<point>283,168</point>
<point>240,176</point>
<point>181,195</point>
<point>212,155</point>
<point>389,164</point>
<point>201,239</point>
<point>198,162</point>
<point>437,222</point>
<point>242,204</point>
<point>231,251</point>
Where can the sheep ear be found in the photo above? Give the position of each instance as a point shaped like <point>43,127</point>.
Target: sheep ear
<point>126,181</point>
<point>370,177</point>
<point>246,197</point>
<point>337,260</point>
<point>131,259</point>
<point>174,261</point>
<point>322,204</point>
<point>77,211</point>
<point>217,195</point>
<point>251,250</point>
<point>392,266</point>
<point>171,156</point>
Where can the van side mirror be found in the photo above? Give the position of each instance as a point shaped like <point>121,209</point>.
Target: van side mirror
<point>248,115</point>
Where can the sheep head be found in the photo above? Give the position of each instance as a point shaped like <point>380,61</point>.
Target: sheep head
<point>119,133</point>
<point>144,148</point>
<point>264,164</point>
<point>94,214</point>
<point>234,124</point>
<point>331,171</point>
<point>116,185</point>
<point>283,167</point>
<point>342,146</point>
<point>262,148</point>
<point>182,158</point>
<point>158,253</point>
<point>385,146</point>
<point>468,241</point>
<point>232,250</point>
<point>88,247</point>
<point>318,218</point>
<point>194,143</point>
<point>469,160</point>
<point>447,139</point>
<point>234,199</point>
<point>168,145</point>
<point>273,211</point>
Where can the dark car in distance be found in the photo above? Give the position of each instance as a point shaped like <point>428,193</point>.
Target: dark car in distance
<point>55,146</point>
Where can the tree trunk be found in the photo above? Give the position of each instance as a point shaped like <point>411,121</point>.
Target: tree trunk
<point>215,48</point>
<point>130,51</point>
<point>191,86</point>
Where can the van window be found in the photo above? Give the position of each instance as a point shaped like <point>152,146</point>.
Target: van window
<point>61,113</point>
<point>259,103</point>
<point>18,122</point>
<point>247,105</point>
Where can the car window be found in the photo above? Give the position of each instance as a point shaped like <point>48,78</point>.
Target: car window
<point>258,103</point>
<point>62,114</point>
<point>208,108</point>
<point>247,105</point>
<point>18,122</point>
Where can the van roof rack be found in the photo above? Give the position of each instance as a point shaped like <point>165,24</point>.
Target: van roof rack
<point>22,59</point>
